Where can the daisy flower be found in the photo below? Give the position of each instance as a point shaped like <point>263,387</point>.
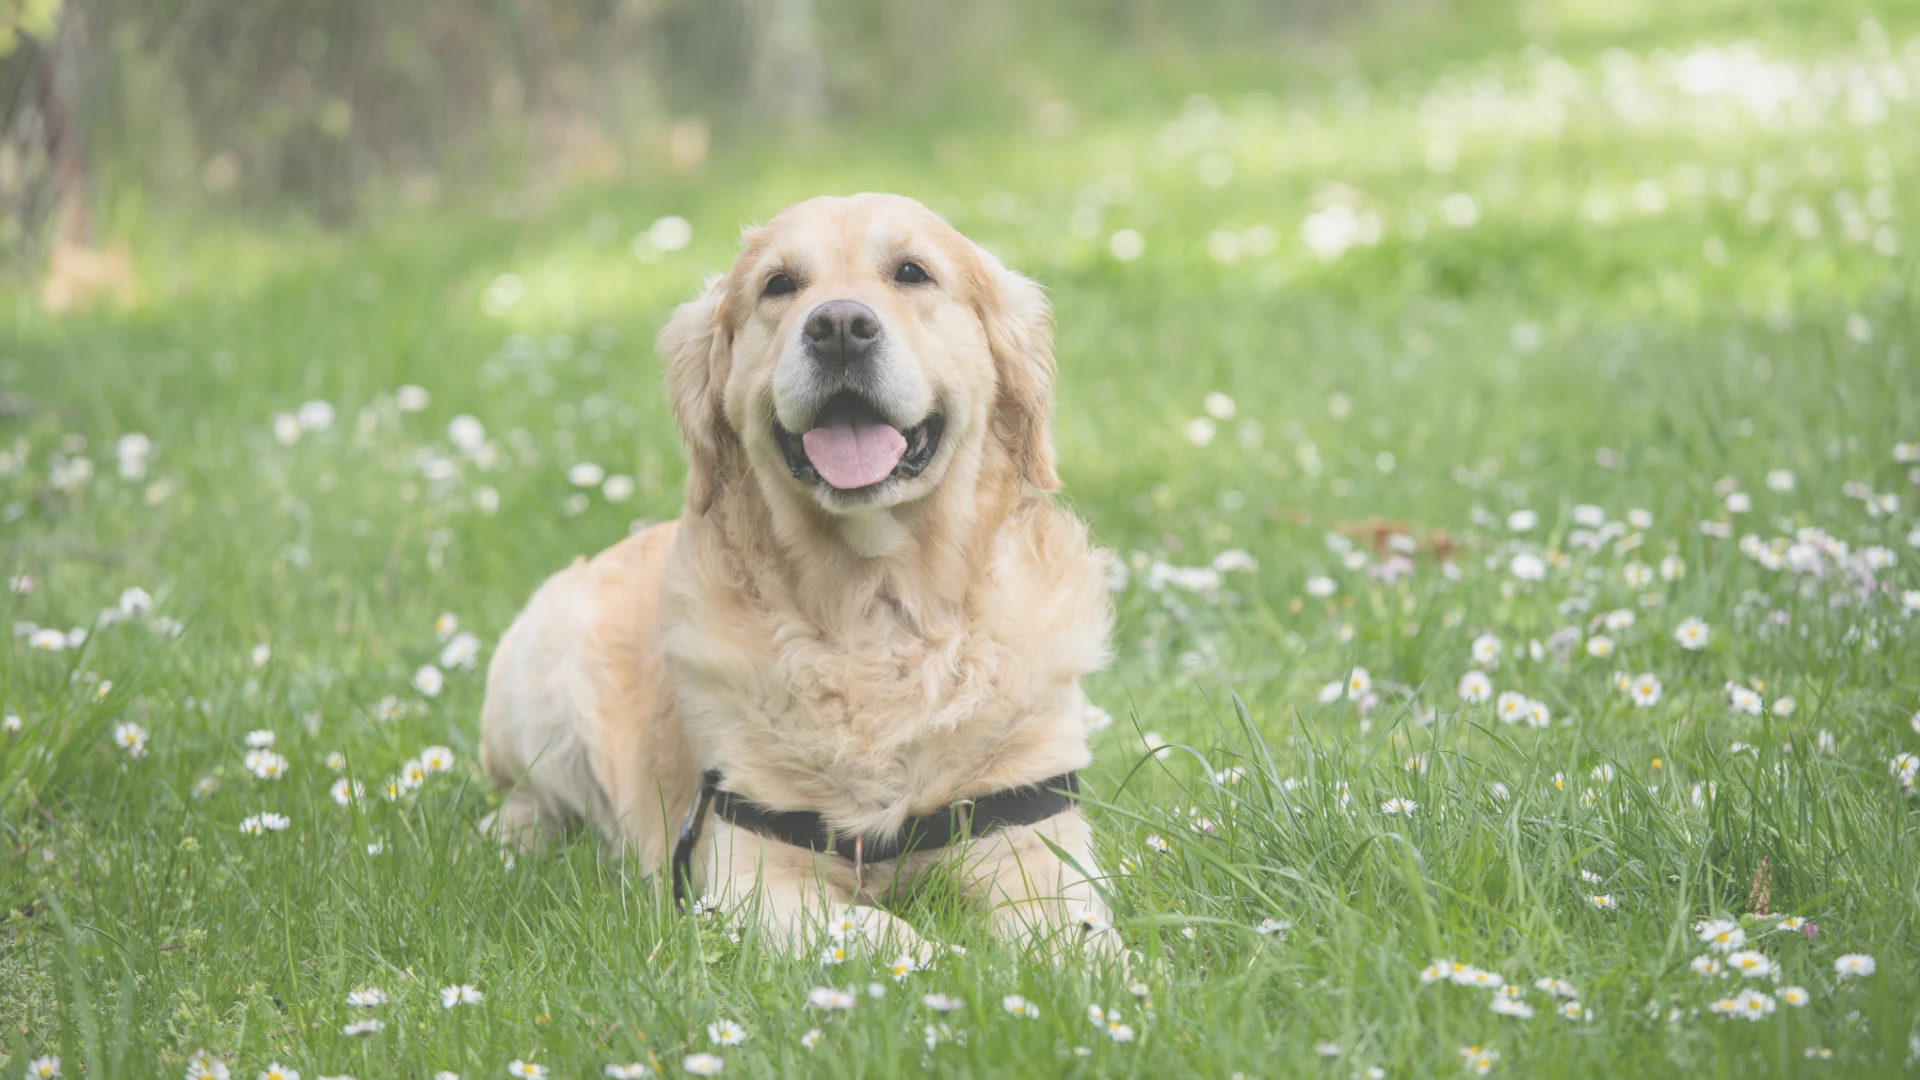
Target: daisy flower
<point>811,1039</point>
<point>1399,806</point>
<point>1573,1010</point>
<point>346,792</point>
<point>429,680</point>
<point>1437,971</point>
<point>1706,966</point>
<point>460,653</point>
<point>204,1066</point>
<point>1588,877</point>
<point>1692,634</point>
<point>132,738</point>
<point>526,1070</point>
<point>363,1027</point>
<point>1638,574</point>
<point>1645,690</point>
<point>1479,1060</point>
<point>1119,1032</point>
<point>1271,927</point>
<point>1321,587</point>
<point>1741,699</point>
<point>703,1064</point>
<point>336,761</point>
<point>366,998</point>
<point>259,740</point>
<point>1750,964</point>
<point>1482,980</point>
<point>464,994</point>
<point>1795,996</point>
<point>1506,1005</point>
<point>1019,1006</point>
<point>1792,922</point>
<point>1359,683</point>
<point>1475,687</point>
<point>1538,715</point>
<point>277,1071</point>
<point>42,1067</point>
<point>1156,842</point>
<point>848,924</point>
<point>266,764</point>
<point>1904,766</point>
<point>903,966</point>
<point>1511,708</point>
<point>1853,964</point>
<point>828,998</point>
<point>1600,646</point>
<point>633,1071</point>
<point>258,824</point>
<point>412,775</point>
<point>940,1002</point>
<point>1605,901</point>
<point>833,955</point>
<point>436,759</point>
<point>726,1033</point>
<point>1528,567</point>
<point>1752,1005</point>
<point>1556,987</point>
<point>1619,619</point>
<point>1722,935</point>
<point>1485,650</point>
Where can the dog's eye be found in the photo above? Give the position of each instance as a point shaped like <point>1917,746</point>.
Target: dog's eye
<point>779,285</point>
<point>910,273</point>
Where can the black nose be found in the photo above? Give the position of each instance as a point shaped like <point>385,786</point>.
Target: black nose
<point>842,332</point>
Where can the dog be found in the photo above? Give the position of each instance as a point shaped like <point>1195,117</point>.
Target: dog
<point>870,618</point>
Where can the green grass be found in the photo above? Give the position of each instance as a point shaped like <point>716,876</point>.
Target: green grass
<point>1540,358</point>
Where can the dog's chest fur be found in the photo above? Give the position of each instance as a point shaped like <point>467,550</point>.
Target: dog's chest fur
<point>901,704</point>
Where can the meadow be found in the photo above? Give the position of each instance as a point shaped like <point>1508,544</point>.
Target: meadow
<point>1512,448</point>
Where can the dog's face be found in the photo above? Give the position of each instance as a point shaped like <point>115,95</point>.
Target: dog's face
<point>860,355</point>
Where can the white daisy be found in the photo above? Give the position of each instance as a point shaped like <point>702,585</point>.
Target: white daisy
<point>1721,935</point>
<point>829,999</point>
<point>1019,1006</point>
<point>132,738</point>
<point>1475,687</point>
<point>204,1066</point>
<point>463,994</point>
<point>1692,634</point>
<point>726,1033</point>
<point>1485,649</point>
<point>526,1070</point>
<point>703,1064</point>
<point>366,998</point>
<point>1645,690</point>
<point>1853,965</point>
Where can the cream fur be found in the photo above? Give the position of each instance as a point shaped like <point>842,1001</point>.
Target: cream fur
<point>869,663</point>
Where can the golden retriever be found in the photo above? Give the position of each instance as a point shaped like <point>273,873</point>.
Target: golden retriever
<point>869,609</point>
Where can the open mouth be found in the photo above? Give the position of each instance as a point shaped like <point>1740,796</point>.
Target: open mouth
<point>851,447</point>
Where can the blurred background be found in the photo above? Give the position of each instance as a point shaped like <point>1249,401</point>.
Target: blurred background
<point>331,108</point>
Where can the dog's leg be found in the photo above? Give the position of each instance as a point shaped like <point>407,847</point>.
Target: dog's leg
<point>796,896</point>
<point>522,823</point>
<point>1036,896</point>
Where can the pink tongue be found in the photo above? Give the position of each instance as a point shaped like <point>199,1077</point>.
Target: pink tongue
<point>854,455</point>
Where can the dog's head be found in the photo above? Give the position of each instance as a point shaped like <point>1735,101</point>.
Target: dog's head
<point>861,355</point>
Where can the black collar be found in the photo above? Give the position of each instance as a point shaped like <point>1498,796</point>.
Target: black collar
<point>948,825</point>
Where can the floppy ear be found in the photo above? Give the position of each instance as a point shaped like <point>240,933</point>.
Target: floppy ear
<point>1020,334</point>
<point>695,344</point>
